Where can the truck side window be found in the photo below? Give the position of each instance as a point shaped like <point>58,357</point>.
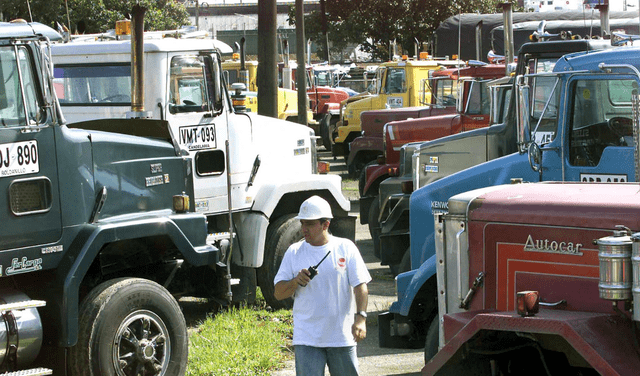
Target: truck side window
<point>93,84</point>
<point>479,102</point>
<point>600,117</point>
<point>12,107</point>
<point>446,91</point>
<point>544,111</point>
<point>188,91</point>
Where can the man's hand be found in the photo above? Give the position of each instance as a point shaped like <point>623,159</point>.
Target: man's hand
<point>286,289</point>
<point>303,277</point>
<point>359,328</point>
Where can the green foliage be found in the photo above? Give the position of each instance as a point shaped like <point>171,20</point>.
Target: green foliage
<point>374,23</point>
<point>244,341</point>
<point>94,16</point>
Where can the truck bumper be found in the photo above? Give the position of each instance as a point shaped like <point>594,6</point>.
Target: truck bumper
<point>392,332</point>
<point>604,341</point>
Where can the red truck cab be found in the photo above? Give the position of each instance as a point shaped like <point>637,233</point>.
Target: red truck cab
<point>541,274</point>
<point>470,112</point>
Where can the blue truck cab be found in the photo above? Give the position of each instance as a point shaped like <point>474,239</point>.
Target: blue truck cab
<point>574,124</point>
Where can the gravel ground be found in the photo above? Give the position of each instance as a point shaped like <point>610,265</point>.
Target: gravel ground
<point>373,360</point>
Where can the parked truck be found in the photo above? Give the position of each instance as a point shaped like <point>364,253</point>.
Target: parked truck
<point>470,110</point>
<point>561,151</point>
<point>399,84</point>
<point>99,231</point>
<point>250,172</point>
<point>370,144</point>
<point>538,279</point>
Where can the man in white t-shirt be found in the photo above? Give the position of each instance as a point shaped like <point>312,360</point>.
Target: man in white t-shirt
<point>326,322</point>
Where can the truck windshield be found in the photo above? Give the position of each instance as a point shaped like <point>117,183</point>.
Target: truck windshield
<point>396,82</point>
<point>600,117</point>
<point>93,84</point>
<point>12,106</point>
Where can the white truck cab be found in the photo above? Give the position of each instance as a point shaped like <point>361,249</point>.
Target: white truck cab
<point>257,168</point>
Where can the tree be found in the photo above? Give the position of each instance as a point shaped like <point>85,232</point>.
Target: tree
<point>94,16</point>
<point>373,24</point>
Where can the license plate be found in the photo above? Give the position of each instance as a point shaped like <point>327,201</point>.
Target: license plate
<point>19,158</point>
<point>198,137</point>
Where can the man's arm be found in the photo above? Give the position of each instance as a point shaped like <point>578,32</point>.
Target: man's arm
<point>286,289</point>
<point>359,328</point>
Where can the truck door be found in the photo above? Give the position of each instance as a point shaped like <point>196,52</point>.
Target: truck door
<point>478,106</point>
<point>28,169</point>
<point>394,91</point>
<point>600,133</point>
<point>199,127</point>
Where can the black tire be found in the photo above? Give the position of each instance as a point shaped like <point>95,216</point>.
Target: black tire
<point>326,131</point>
<point>374,225</point>
<point>283,232</point>
<point>362,181</point>
<point>433,339</point>
<point>125,308</point>
<point>404,265</point>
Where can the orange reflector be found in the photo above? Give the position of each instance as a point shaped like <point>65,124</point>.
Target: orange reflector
<point>405,57</point>
<point>424,55</point>
<point>235,56</point>
<point>238,102</point>
<point>181,203</point>
<point>323,167</point>
<point>407,187</point>
<point>123,27</point>
<point>393,171</point>
<point>528,303</point>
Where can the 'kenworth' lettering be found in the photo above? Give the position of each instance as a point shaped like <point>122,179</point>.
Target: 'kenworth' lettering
<point>553,246</point>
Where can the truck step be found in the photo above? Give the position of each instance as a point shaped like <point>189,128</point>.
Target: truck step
<point>216,236</point>
<point>22,305</point>
<point>30,372</point>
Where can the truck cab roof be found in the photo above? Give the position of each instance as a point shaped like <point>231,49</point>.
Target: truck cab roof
<point>19,29</point>
<point>590,61</point>
<point>150,45</point>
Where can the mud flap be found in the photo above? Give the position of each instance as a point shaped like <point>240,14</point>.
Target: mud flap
<point>344,227</point>
<point>387,337</point>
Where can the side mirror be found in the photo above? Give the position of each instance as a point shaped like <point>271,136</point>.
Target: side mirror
<point>523,115</point>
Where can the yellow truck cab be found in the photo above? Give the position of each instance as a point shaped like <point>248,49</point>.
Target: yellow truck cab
<point>287,99</point>
<point>399,83</point>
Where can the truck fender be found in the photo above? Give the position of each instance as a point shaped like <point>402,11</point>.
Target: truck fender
<point>375,174</point>
<point>92,238</point>
<point>413,280</point>
<point>269,195</point>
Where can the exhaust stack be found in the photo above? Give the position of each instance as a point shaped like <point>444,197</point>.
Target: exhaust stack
<point>137,63</point>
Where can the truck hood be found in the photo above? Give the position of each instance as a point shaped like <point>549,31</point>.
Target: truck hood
<point>139,173</point>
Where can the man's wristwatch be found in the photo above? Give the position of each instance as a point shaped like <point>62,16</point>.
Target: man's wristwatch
<point>362,313</point>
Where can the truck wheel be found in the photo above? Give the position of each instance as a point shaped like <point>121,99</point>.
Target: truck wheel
<point>326,131</point>
<point>285,231</point>
<point>374,225</point>
<point>433,339</point>
<point>130,326</point>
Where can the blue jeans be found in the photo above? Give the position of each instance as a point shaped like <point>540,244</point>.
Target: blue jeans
<point>310,361</point>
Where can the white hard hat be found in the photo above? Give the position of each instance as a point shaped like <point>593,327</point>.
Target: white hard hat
<point>315,207</point>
